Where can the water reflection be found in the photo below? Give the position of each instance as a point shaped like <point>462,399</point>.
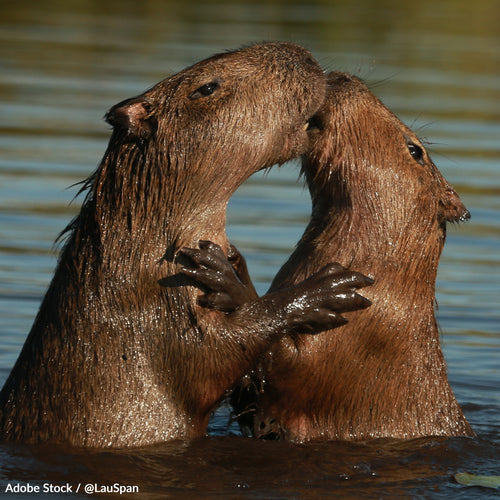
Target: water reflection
<point>242,468</point>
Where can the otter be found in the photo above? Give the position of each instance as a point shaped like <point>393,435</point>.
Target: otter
<point>121,353</point>
<point>380,206</point>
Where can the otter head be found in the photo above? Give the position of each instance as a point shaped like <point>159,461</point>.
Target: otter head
<point>215,123</point>
<point>365,162</point>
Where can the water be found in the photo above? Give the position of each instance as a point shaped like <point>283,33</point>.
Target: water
<point>436,64</point>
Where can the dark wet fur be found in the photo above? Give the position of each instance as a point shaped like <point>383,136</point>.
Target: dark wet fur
<point>114,358</point>
<point>380,206</point>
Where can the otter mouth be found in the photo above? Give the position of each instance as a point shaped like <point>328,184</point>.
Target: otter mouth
<point>464,217</point>
<point>314,123</point>
<point>451,208</point>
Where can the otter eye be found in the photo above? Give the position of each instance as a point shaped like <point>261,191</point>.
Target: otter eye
<point>416,152</point>
<point>205,90</point>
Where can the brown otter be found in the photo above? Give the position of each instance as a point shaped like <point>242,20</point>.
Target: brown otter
<point>380,206</point>
<point>113,358</point>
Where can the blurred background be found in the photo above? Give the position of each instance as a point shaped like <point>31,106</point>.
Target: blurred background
<point>436,64</point>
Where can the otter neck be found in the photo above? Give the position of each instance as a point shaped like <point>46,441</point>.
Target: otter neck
<point>375,225</point>
<point>402,257</point>
<point>146,195</point>
<point>393,346</point>
<point>106,317</point>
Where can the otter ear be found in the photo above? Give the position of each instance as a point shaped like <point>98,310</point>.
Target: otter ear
<point>133,116</point>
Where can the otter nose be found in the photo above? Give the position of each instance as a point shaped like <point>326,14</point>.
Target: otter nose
<point>465,216</point>
<point>451,208</point>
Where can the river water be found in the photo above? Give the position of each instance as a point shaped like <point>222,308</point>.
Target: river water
<point>435,64</point>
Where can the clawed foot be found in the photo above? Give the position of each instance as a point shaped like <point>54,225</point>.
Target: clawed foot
<point>225,280</point>
<point>311,306</point>
<point>320,300</point>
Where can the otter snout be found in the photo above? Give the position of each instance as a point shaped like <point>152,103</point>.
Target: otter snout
<point>451,208</point>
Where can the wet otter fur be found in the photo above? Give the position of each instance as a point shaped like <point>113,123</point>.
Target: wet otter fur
<point>380,206</point>
<point>113,358</point>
